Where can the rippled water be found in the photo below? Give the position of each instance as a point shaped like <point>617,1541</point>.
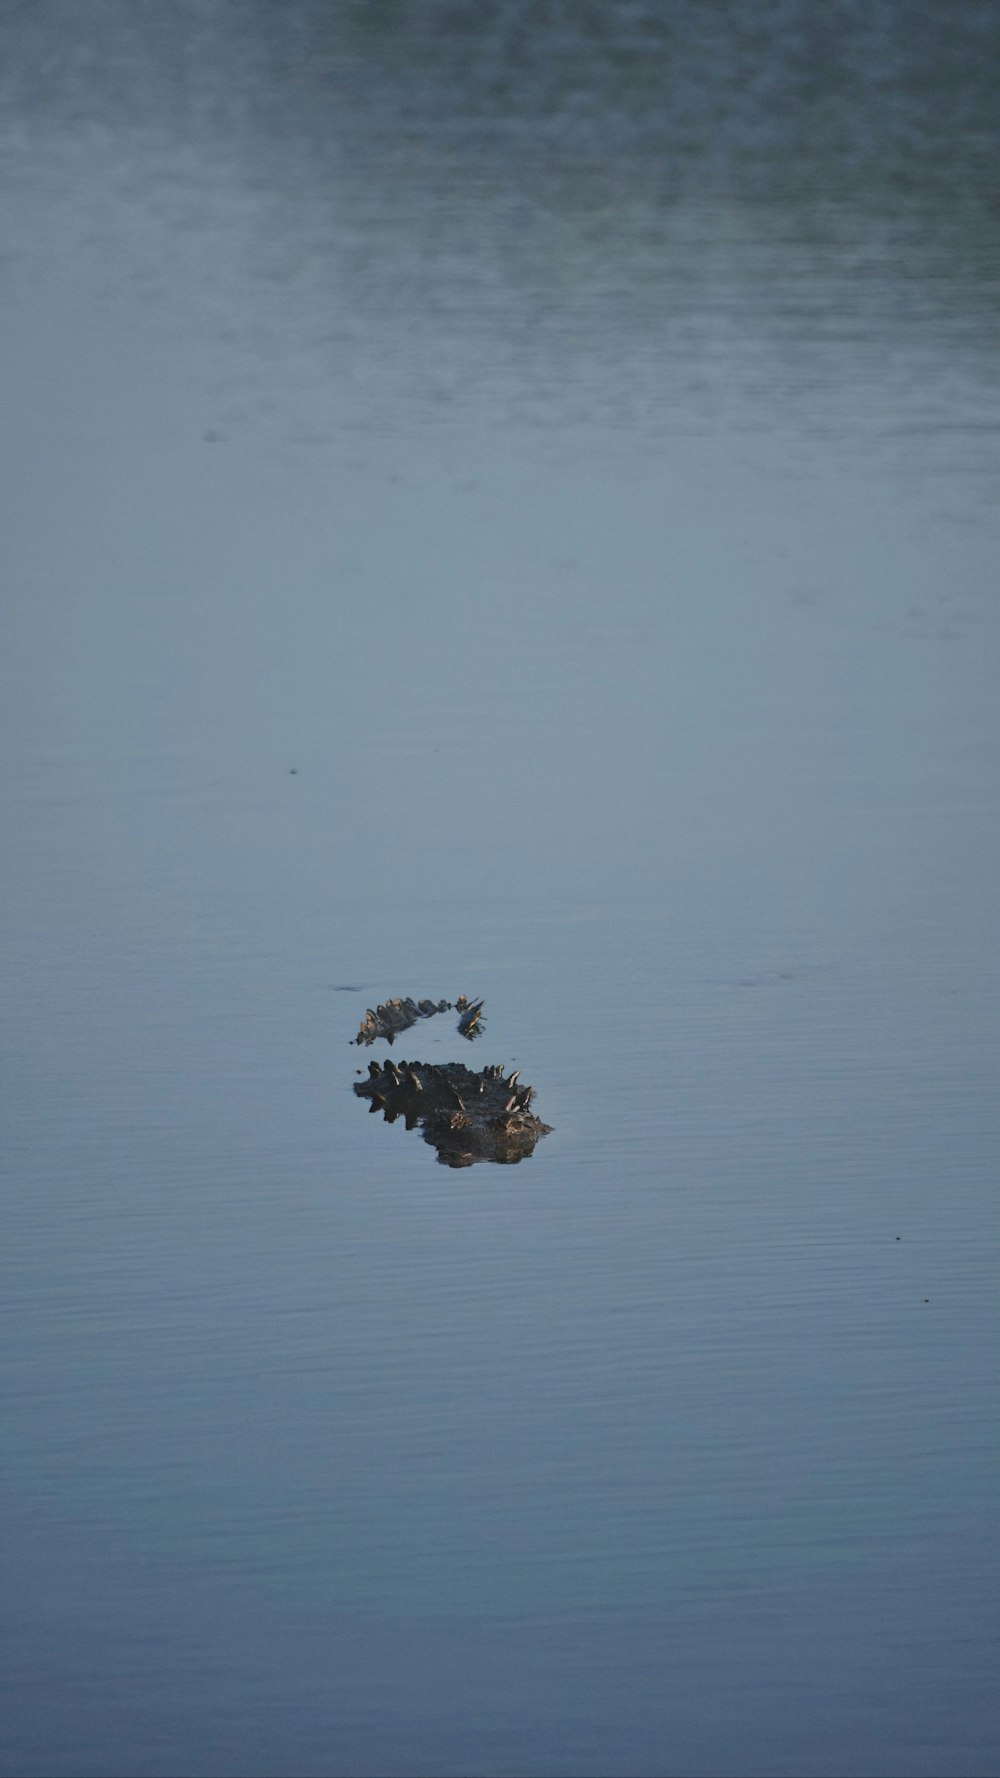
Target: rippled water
<point>501,500</point>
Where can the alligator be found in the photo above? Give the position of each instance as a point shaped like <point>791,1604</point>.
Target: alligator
<point>467,1117</point>
<point>391,1017</point>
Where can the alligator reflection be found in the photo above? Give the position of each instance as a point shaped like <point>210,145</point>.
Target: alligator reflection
<point>467,1117</point>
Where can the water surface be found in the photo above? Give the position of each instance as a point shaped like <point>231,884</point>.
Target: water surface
<point>501,500</point>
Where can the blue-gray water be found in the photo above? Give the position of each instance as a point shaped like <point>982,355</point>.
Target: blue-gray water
<point>500,499</point>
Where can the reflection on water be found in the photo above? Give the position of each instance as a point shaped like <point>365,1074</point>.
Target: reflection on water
<point>500,493</point>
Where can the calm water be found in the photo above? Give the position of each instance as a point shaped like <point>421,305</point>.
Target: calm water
<point>501,499</point>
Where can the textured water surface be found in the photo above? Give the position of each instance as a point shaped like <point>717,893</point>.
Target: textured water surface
<point>500,500</point>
